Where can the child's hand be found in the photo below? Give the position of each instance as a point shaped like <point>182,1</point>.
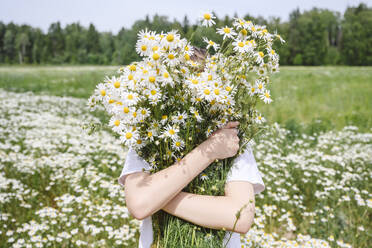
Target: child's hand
<point>225,141</point>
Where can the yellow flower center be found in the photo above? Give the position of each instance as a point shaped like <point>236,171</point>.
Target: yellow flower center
<point>207,92</point>
<point>261,54</point>
<point>155,56</point>
<point>111,101</point>
<point>143,48</point>
<point>180,117</point>
<point>155,48</point>
<point>143,111</point>
<point>217,92</point>
<point>244,32</point>
<point>207,16</point>
<point>128,135</point>
<point>134,114</point>
<point>130,97</point>
<point>126,110</point>
<point>117,84</point>
<point>253,28</point>
<point>166,74</point>
<point>198,99</point>
<point>210,77</point>
<point>267,95</point>
<point>260,86</point>
<point>187,57</point>
<point>139,142</point>
<point>153,92</point>
<point>228,88</point>
<point>194,81</point>
<point>130,77</point>
<point>170,56</point>
<point>252,89</point>
<point>149,134</point>
<point>178,144</point>
<point>272,52</point>
<point>164,117</point>
<point>211,43</point>
<point>132,67</point>
<point>170,37</point>
<point>241,44</point>
<point>117,123</point>
<point>152,79</point>
<point>226,30</point>
<point>103,92</point>
<point>172,132</point>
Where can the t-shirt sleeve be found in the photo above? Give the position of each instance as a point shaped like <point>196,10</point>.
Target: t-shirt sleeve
<point>133,163</point>
<point>244,168</point>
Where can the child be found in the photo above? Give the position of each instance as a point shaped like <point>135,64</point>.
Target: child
<point>145,194</point>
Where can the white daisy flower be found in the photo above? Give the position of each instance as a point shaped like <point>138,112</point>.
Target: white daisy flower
<point>101,92</point>
<point>164,119</point>
<point>265,96</point>
<point>259,57</point>
<point>207,19</point>
<point>226,32</point>
<point>252,90</point>
<point>260,119</point>
<point>240,46</point>
<point>196,114</point>
<point>180,118</point>
<point>211,43</point>
<point>171,132</point>
<point>204,176</point>
<point>116,124</point>
<point>239,23</point>
<point>129,137</point>
<point>260,86</point>
<point>142,47</point>
<point>150,134</point>
<point>171,39</point>
<point>178,144</point>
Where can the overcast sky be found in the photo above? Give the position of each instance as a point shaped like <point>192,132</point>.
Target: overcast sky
<point>111,15</point>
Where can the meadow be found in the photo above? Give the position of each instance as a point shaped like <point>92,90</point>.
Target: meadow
<point>58,184</point>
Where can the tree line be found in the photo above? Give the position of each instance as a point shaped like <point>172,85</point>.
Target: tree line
<point>313,37</point>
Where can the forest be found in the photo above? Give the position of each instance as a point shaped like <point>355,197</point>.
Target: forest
<point>313,37</point>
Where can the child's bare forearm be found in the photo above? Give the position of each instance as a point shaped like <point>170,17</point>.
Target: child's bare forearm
<point>153,191</point>
<point>216,212</point>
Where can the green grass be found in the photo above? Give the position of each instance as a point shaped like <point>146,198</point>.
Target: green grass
<point>339,96</point>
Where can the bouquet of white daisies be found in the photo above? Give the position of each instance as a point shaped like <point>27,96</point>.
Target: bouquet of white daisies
<point>175,97</point>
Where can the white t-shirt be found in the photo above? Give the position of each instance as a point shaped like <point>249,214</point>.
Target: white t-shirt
<point>244,168</point>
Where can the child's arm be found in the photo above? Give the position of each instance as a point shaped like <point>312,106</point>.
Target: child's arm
<point>217,212</point>
<point>145,194</point>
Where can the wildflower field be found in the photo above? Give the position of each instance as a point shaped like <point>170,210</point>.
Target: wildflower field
<point>58,184</point>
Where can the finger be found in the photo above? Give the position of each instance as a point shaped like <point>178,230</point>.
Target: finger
<point>232,124</point>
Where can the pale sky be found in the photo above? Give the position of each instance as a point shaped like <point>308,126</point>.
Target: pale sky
<point>111,15</point>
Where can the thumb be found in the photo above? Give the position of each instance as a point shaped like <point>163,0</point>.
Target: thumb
<point>232,124</point>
